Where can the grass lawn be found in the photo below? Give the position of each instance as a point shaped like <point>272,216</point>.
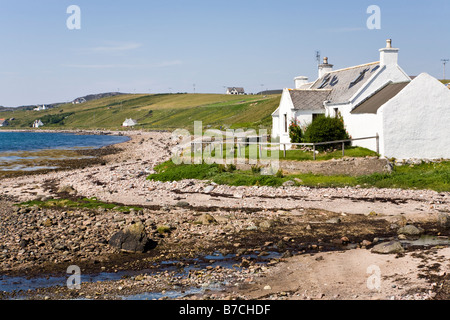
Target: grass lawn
<point>433,176</point>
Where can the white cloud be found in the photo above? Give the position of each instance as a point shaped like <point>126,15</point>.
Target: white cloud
<point>114,47</point>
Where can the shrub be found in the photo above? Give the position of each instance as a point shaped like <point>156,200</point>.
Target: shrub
<point>324,129</point>
<point>295,132</point>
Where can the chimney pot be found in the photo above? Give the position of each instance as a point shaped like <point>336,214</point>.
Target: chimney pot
<point>389,43</point>
<point>325,60</point>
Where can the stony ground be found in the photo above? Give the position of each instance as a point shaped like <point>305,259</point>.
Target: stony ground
<point>280,243</point>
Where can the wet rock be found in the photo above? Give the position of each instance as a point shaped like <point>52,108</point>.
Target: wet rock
<point>365,243</point>
<point>388,248</point>
<point>410,230</point>
<point>444,220</point>
<point>132,239</point>
<point>182,204</point>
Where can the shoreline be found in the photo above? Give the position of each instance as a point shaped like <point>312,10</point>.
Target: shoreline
<point>87,156</point>
<point>296,222</point>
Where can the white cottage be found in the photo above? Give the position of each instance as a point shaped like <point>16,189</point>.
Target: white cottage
<point>344,91</point>
<point>129,123</point>
<point>236,91</point>
<point>37,124</point>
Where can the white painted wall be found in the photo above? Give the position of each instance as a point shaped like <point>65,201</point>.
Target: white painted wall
<point>416,121</point>
<point>275,126</point>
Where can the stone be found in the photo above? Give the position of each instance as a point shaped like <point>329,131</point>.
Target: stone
<point>334,220</point>
<point>444,220</point>
<point>209,189</point>
<point>289,183</point>
<point>67,189</point>
<point>410,230</point>
<point>266,224</point>
<point>132,239</point>
<point>48,222</point>
<point>182,204</point>
<point>388,248</point>
<point>206,219</point>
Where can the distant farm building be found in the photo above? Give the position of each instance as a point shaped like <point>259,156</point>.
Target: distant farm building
<point>37,124</point>
<point>40,108</point>
<point>129,123</point>
<point>79,101</point>
<point>235,91</point>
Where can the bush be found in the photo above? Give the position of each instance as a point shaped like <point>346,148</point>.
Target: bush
<point>324,129</point>
<point>295,132</point>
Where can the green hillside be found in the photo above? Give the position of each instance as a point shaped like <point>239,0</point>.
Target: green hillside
<point>155,112</point>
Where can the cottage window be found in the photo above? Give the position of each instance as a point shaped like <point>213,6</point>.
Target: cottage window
<point>285,123</point>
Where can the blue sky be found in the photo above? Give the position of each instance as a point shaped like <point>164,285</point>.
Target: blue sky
<point>170,45</point>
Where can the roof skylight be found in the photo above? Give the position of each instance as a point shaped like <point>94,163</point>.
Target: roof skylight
<point>359,78</point>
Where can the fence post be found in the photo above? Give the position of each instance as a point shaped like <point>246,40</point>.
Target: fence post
<point>314,151</point>
<point>284,145</point>
<point>343,149</point>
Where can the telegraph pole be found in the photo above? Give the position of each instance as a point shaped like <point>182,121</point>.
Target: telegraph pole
<point>444,62</point>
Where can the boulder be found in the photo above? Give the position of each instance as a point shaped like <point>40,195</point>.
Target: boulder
<point>132,239</point>
<point>388,248</point>
<point>410,230</point>
<point>444,220</point>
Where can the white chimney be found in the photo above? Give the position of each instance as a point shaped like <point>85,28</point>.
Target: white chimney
<point>300,81</point>
<point>388,55</point>
<point>325,67</point>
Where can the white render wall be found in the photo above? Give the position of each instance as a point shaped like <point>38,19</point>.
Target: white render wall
<point>416,122</point>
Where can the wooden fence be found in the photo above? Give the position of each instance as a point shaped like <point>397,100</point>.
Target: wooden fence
<point>281,146</point>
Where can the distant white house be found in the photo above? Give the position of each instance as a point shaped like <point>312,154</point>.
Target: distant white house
<point>411,117</point>
<point>37,124</point>
<point>79,101</point>
<point>236,90</point>
<point>3,122</point>
<point>129,123</point>
<point>40,108</point>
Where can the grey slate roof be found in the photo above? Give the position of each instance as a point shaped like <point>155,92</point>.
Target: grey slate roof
<point>342,82</point>
<point>238,89</point>
<point>309,99</point>
<point>373,102</point>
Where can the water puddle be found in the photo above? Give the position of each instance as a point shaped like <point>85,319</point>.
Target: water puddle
<point>426,241</point>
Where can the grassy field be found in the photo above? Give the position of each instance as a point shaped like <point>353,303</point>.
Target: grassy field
<point>155,112</point>
<point>433,176</point>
